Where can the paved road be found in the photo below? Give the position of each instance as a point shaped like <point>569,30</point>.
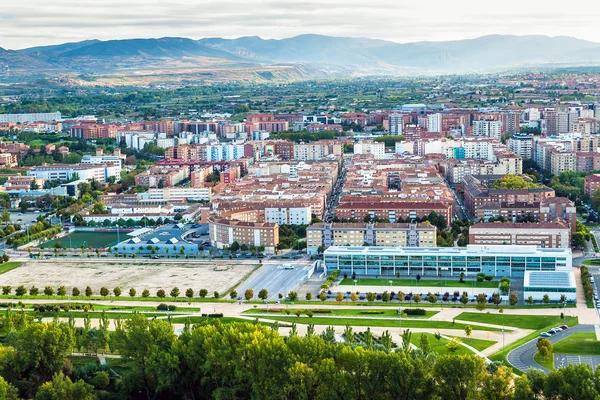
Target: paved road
<point>276,279</point>
<point>522,357</point>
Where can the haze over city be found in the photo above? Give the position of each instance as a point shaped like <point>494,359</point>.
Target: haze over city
<point>60,21</point>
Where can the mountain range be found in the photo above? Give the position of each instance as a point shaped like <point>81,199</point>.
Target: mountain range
<point>299,57</point>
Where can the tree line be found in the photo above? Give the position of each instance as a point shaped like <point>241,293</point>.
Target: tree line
<point>245,360</point>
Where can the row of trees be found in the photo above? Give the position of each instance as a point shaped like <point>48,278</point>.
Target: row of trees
<point>243,360</point>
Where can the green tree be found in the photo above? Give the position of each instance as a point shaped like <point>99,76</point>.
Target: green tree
<point>203,293</point>
<point>417,298</point>
<point>263,294</point>
<point>499,385</point>
<point>88,291</point>
<point>104,292</point>
<point>145,293</point>
<point>48,291</point>
<point>189,293</point>
<point>160,293</point>
<point>293,296</point>
<point>8,391</point>
<point>62,388</point>
<point>174,292</point>
<point>117,291</point>
<point>530,300</point>
<point>20,290</point>
<point>61,291</point>
<point>459,376</point>
<point>371,297</point>
<point>468,330</point>
<point>132,292</point>
<point>33,291</point>
<point>546,299</point>
<point>233,294</point>
<point>308,296</point>
<point>385,296</point>
<point>6,290</point>
<point>513,299</point>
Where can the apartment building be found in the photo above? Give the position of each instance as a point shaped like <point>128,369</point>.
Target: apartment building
<point>173,193</point>
<point>555,234</point>
<point>396,124</point>
<point>310,151</point>
<point>94,131</point>
<point>521,144</point>
<point>23,183</point>
<point>159,177</point>
<point>591,184</point>
<point>485,128</point>
<point>224,231</point>
<point>359,234</point>
<point>370,147</point>
<point>98,172</point>
<point>288,215</point>
<point>30,117</point>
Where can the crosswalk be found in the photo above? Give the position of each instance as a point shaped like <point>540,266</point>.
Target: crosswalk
<point>562,360</point>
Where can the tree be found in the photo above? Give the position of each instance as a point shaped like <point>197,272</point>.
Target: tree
<point>62,388</point>
<point>544,347</point>
<point>88,291</point>
<point>5,216</point>
<point>385,296</point>
<point>174,292</point>
<point>6,290</point>
<point>20,290</point>
<point>117,291</point>
<point>48,291</point>
<point>33,291</point>
<point>233,294</point>
<point>530,300</point>
<point>452,346</point>
<point>546,299</point>
<point>145,293</point>
<point>263,294</point>
<point>161,293</point>
<point>189,293</point>
<point>248,294</point>
<point>132,292</point>
<point>499,385</point>
<point>459,376</point>
<point>468,330</point>
<point>61,291</point>
<point>323,296</point>
<point>371,297</point>
<point>513,299</point>
<point>417,299</point>
<point>104,292</point>
<point>432,298</point>
<point>354,297</point>
<point>203,293</point>
<point>339,297</point>
<point>235,246</point>
<point>308,296</point>
<point>216,294</point>
<point>293,296</point>
<point>8,391</point>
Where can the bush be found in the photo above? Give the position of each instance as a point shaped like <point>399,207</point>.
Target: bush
<point>217,315</point>
<point>415,311</point>
<point>372,312</point>
<point>321,311</point>
<point>165,307</point>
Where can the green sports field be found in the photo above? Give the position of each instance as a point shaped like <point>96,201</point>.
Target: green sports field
<point>88,239</point>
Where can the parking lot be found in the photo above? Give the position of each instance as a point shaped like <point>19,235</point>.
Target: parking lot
<point>562,360</point>
<point>276,279</point>
<point>23,218</point>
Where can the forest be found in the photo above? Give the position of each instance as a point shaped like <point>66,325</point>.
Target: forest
<point>244,360</point>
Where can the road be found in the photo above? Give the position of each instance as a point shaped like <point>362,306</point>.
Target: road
<point>276,279</point>
<point>522,357</point>
<point>337,191</point>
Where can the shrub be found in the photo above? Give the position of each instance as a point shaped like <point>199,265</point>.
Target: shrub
<point>321,311</point>
<point>165,307</point>
<point>415,311</point>
<point>217,315</point>
<point>372,312</point>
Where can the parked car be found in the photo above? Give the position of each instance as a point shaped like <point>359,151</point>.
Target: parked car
<point>564,327</point>
<point>551,332</point>
<point>557,329</point>
<point>545,334</point>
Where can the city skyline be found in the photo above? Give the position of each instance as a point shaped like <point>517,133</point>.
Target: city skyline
<point>62,21</point>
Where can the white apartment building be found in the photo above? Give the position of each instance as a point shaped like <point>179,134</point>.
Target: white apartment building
<point>32,117</point>
<point>434,122</point>
<point>532,114</point>
<point>310,152</point>
<point>375,148</point>
<point>136,140</point>
<point>224,152</point>
<point>260,135</point>
<point>491,129</point>
<point>521,144</point>
<point>172,193</point>
<point>396,123</point>
<point>91,159</point>
<point>166,142</point>
<point>288,215</point>
<point>98,172</point>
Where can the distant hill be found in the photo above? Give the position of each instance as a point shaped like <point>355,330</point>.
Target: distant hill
<point>305,55</point>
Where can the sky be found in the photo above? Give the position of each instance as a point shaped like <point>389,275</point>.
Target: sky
<point>27,23</point>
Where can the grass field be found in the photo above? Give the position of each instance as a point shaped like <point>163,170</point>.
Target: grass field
<point>88,239</point>
<point>591,262</point>
<point>546,362</point>
<point>583,344</point>
<point>423,283</point>
<point>393,313</point>
<point>439,346</point>
<point>9,266</point>
<point>377,322</point>
<point>518,321</point>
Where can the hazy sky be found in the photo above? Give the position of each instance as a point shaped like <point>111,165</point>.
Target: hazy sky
<point>26,23</point>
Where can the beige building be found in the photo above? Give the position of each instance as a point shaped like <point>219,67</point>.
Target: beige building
<point>359,234</point>
<point>244,226</point>
<point>541,234</point>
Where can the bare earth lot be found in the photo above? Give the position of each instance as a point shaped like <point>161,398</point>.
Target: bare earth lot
<point>219,276</point>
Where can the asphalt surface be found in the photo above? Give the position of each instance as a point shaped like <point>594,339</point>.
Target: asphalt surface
<point>562,360</point>
<point>276,279</point>
<point>522,357</point>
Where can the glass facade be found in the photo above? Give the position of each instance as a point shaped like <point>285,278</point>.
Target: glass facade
<point>435,261</point>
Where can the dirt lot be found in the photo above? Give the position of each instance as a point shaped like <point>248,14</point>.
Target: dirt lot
<point>219,276</point>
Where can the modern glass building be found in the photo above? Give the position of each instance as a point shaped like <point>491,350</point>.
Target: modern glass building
<point>554,284</point>
<point>496,260</point>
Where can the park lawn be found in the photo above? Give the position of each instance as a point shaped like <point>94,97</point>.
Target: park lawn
<point>121,298</point>
<point>97,314</point>
<point>222,320</point>
<point>9,266</point>
<point>80,361</point>
<point>478,344</point>
<point>546,362</point>
<point>517,321</point>
<point>438,346</point>
<point>389,313</point>
<point>591,262</point>
<point>442,283</point>
<point>404,323</point>
<point>583,344</point>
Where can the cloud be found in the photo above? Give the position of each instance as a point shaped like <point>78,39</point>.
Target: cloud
<point>40,22</point>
